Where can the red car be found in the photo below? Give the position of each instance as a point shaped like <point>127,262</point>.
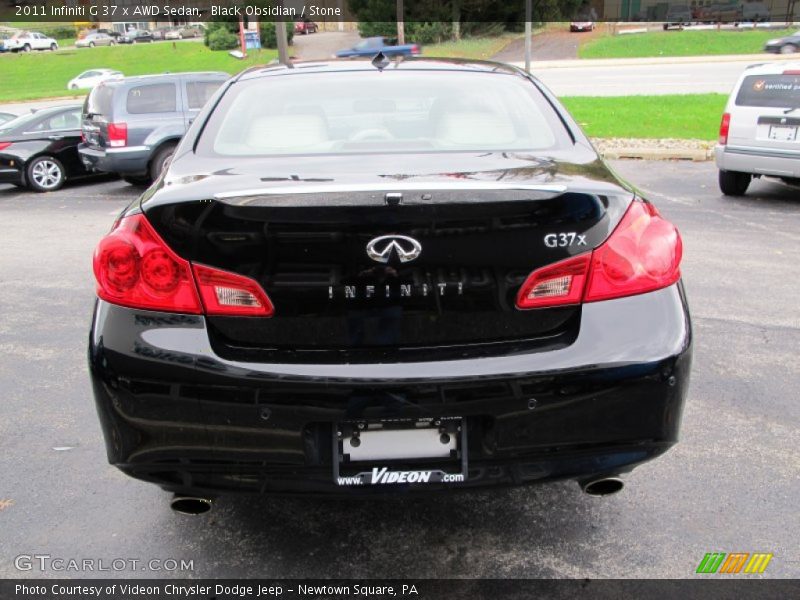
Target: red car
<point>305,26</point>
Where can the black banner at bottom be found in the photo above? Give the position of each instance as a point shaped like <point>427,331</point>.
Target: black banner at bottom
<point>376,589</point>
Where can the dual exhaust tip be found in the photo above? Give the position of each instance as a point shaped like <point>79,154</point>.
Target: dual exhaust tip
<point>197,505</point>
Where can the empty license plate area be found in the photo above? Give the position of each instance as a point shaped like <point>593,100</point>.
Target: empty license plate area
<point>400,451</point>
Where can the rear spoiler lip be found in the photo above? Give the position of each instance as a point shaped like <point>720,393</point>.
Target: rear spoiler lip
<point>391,187</point>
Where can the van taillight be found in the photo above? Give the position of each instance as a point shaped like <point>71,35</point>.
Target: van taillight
<point>117,135</point>
<point>724,127</point>
<point>134,267</point>
<point>643,254</point>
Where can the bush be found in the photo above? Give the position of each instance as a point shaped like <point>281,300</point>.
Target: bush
<point>64,32</point>
<point>269,38</point>
<point>417,32</point>
<point>222,39</point>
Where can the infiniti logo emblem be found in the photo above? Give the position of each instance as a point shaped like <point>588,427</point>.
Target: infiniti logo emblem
<point>381,248</point>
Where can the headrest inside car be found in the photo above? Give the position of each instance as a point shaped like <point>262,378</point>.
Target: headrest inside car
<point>476,128</point>
<point>286,132</point>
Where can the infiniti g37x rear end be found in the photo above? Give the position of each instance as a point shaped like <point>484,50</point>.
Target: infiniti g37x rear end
<point>423,278</point>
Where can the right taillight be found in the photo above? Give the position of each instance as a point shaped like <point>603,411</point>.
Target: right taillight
<point>724,127</point>
<point>641,255</point>
<point>117,135</point>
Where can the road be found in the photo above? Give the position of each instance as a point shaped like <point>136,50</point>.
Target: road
<point>730,485</point>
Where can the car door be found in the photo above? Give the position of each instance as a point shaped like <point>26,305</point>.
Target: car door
<point>40,41</point>
<point>196,92</point>
<point>61,134</point>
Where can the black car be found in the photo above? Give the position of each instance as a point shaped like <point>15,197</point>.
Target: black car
<point>131,126</point>
<point>40,150</point>
<point>413,276</point>
<point>138,36</point>
<point>785,45</point>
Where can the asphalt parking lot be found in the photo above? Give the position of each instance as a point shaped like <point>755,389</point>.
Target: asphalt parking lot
<point>730,485</point>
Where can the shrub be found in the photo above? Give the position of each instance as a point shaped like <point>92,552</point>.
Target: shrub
<point>269,38</point>
<point>222,39</point>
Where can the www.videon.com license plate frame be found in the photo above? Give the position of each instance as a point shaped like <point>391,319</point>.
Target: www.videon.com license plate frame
<point>400,452</point>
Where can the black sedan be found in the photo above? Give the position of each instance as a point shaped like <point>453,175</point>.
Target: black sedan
<point>138,36</point>
<point>785,45</point>
<point>40,150</point>
<point>442,286</point>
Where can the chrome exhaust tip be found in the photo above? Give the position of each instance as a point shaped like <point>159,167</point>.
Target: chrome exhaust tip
<point>190,505</point>
<point>602,486</point>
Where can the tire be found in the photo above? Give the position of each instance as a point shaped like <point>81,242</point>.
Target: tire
<point>160,161</point>
<point>45,174</point>
<point>137,179</point>
<point>733,183</point>
<point>91,44</point>
<point>73,87</point>
<point>53,47</point>
<point>112,43</point>
<point>788,49</point>
<point>26,48</point>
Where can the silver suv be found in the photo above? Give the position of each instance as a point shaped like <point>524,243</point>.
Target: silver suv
<point>759,130</point>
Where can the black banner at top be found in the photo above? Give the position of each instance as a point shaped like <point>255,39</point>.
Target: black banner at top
<point>495,11</point>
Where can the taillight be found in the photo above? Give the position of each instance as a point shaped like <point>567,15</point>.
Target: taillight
<point>4,145</point>
<point>643,254</point>
<point>117,134</point>
<point>230,294</point>
<point>414,49</point>
<point>134,267</point>
<point>724,127</point>
<point>554,285</point>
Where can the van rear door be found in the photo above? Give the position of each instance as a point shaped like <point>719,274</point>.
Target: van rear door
<point>766,112</point>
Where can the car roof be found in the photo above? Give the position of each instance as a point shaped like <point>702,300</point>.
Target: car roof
<point>774,68</point>
<point>407,64</point>
<point>158,76</point>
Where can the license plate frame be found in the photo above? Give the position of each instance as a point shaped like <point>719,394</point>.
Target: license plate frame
<point>782,133</point>
<point>389,468</point>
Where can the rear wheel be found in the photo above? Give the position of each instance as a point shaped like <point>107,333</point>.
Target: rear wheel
<point>45,174</point>
<point>137,179</point>
<point>788,49</point>
<point>26,48</point>
<point>733,183</point>
<point>91,44</point>
<point>53,47</point>
<point>161,161</point>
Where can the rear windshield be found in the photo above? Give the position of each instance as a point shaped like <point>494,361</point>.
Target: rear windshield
<point>98,102</point>
<point>776,91</point>
<point>336,113</point>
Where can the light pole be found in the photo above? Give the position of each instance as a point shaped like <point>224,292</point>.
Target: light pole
<point>528,33</point>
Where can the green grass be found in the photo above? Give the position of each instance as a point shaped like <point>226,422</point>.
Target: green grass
<point>689,116</point>
<point>475,48</point>
<point>45,74</point>
<point>678,43</point>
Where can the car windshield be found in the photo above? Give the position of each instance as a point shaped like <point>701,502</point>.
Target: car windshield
<point>390,112</point>
<point>775,91</point>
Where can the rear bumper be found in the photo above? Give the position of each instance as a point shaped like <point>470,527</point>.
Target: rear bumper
<point>758,161</point>
<point>131,160</point>
<point>175,414</point>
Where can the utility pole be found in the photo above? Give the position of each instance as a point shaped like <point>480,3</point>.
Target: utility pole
<point>283,44</point>
<point>401,29</point>
<point>528,33</point>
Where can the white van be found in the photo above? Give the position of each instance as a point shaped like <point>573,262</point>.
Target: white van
<point>759,130</point>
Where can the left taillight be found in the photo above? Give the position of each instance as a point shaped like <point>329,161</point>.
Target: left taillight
<point>4,145</point>
<point>643,254</point>
<point>134,267</point>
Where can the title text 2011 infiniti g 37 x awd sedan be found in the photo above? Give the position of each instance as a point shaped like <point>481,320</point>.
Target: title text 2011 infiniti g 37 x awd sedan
<point>411,276</point>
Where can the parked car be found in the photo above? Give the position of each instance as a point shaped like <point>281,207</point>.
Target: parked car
<point>40,149</point>
<point>758,133</point>
<point>161,32</point>
<point>305,26</point>
<point>785,45</point>
<point>131,126</point>
<point>6,117</point>
<point>721,12</point>
<point>576,26</point>
<point>110,32</point>
<point>369,47</point>
<point>137,36</point>
<point>186,31</point>
<point>89,79</point>
<point>90,40</point>
<point>25,41</point>
<point>678,16</point>
<point>277,315</point>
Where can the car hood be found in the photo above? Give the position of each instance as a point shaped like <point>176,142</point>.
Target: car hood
<point>192,178</point>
